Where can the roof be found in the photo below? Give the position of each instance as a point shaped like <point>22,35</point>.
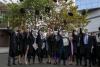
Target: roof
<point>91,9</point>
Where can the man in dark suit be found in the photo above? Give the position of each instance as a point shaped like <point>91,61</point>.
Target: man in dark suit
<point>98,47</point>
<point>80,48</point>
<point>87,49</point>
<point>12,47</point>
<point>93,48</point>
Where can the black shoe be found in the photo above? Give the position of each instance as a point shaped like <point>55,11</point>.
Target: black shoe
<point>48,62</point>
<point>85,65</point>
<point>9,64</point>
<point>54,63</point>
<point>77,64</point>
<point>64,64</point>
<point>20,63</point>
<point>80,64</point>
<point>14,64</point>
<point>33,62</point>
<point>89,65</point>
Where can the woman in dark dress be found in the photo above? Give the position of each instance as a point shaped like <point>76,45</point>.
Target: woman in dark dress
<point>31,50</point>
<point>71,48</point>
<point>25,45</point>
<point>49,38</point>
<point>39,43</point>
<point>20,46</point>
<point>75,45</point>
<point>55,47</point>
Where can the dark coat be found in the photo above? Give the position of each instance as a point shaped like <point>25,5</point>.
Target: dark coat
<point>39,41</point>
<point>90,42</point>
<point>12,46</point>
<point>94,44</point>
<point>75,43</point>
<point>80,45</point>
<point>20,43</point>
<point>49,41</point>
<point>25,39</point>
<point>30,41</point>
<point>55,45</point>
<point>98,46</point>
<point>50,44</point>
<point>88,48</point>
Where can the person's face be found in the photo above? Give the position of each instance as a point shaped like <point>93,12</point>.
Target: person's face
<point>93,34</point>
<point>70,34</point>
<point>50,30</point>
<point>86,33</point>
<point>99,28</point>
<point>76,33</point>
<point>41,33</point>
<point>16,32</point>
<point>63,33</point>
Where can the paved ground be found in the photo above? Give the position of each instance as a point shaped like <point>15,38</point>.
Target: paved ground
<point>4,49</point>
<point>3,63</point>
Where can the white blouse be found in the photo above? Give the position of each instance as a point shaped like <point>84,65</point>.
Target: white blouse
<point>65,41</point>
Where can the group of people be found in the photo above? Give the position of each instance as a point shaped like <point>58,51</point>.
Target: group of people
<point>55,46</point>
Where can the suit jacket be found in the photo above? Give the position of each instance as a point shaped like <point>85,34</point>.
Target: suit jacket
<point>93,41</point>
<point>89,40</point>
<point>75,43</point>
<point>80,39</point>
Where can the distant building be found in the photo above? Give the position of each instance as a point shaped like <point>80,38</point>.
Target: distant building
<point>4,37</point>
<point>93,8</point>
<point>3,11</point>
<point>94,19</point>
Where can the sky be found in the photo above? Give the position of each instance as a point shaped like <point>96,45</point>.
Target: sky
<point>83,4</point>
<point>7,1</point>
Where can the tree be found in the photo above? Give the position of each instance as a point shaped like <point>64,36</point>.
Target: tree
<point>69,18</point>
<point>27,11</point>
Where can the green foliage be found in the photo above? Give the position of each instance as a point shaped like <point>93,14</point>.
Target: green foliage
<point>62,18</point>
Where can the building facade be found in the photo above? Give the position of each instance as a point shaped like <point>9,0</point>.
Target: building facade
<point>93,8</point>
<point>94,19</point>
<point>4,37</point>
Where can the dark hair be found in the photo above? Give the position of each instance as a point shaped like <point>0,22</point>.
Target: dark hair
<point>98,34</point>
<point>99,28</point>
<point>73,34</point>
